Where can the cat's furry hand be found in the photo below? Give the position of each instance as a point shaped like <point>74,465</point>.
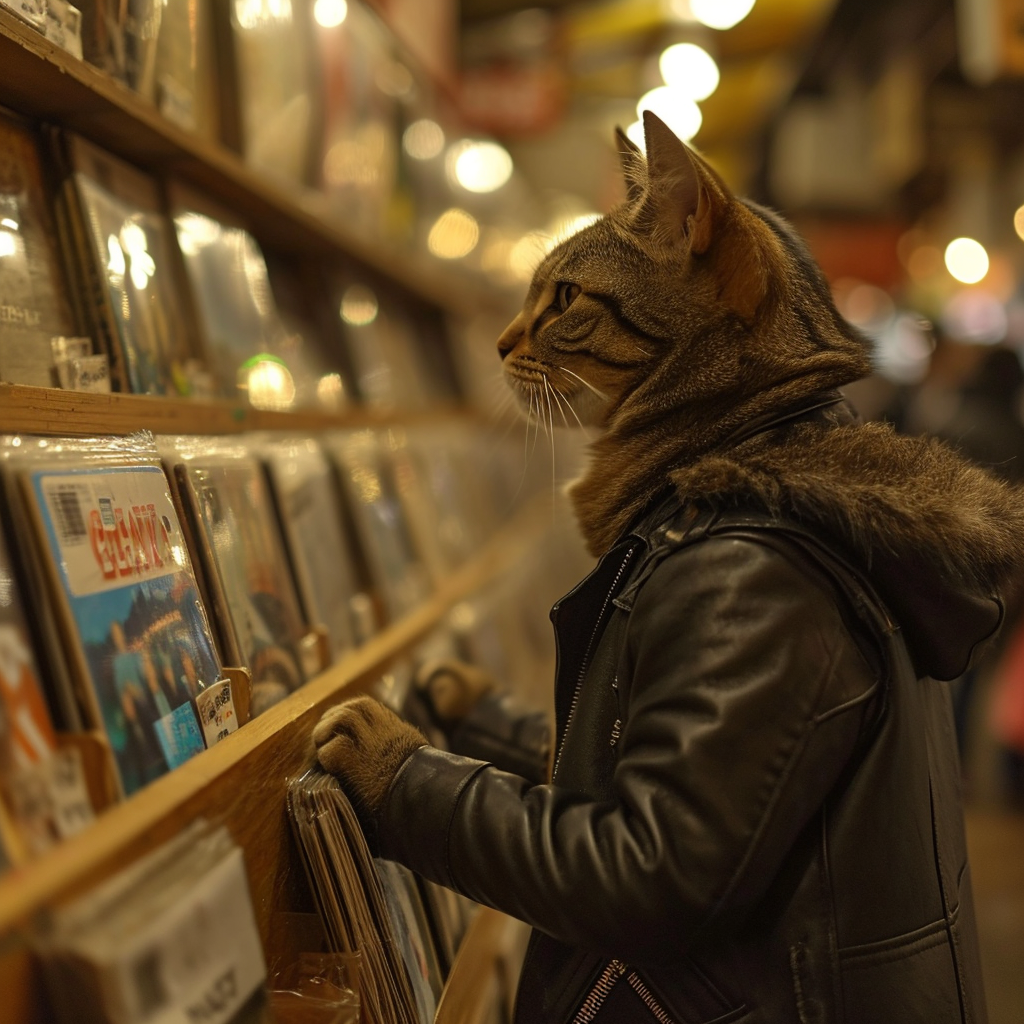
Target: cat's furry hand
<point>453,687</point>
<point>363,743</point>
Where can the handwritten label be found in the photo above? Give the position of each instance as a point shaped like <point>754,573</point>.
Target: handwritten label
<point>89,373</point>
<point>217,712</point>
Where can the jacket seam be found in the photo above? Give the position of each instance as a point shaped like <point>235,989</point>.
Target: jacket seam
<point>898,948</point>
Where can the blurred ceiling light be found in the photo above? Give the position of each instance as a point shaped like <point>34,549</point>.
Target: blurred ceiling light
<point>423,139</point>
<point>478,166</point>
<point>1018,222</point>
<point>330,391</point>
<point>262,13</point>
<point>675,108</point>
<point>8,243</point>
<point>358,305</point>
<point>454,234</point>
<point>635,134</point>
<point>966,260</point>
<point>8,222</point>
<point>690,69</point>
<point>330,13</point>
<point>720,14</point>
<point>269,382</point>
<point>195,232</point>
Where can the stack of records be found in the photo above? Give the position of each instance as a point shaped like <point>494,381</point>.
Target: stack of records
<point>352,901</point>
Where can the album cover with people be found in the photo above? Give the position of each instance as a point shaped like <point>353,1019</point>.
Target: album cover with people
<point>33,293</point>
<point>125,246</point>
<point>134,617</point>
<point>246,569</point>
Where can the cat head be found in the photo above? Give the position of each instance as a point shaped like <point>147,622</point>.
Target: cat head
<point>683,300</point>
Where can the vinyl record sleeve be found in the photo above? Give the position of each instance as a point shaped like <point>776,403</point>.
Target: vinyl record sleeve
<point>276,105</point>
<point>33,303</point>
<point>127,249</point>
<point>366,473</point>
<point>309,505</point>
<point>234,303</point>
<point>134,616</point>
<point>245,562</point>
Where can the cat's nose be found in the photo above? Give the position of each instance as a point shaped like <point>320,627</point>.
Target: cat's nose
<point>509,337</point>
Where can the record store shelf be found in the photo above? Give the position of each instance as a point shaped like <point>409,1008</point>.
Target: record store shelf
<point>39,79</point>
<point>242,782</point>
<point>52,411</point>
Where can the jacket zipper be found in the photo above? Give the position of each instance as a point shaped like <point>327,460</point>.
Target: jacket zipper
<point>601,989</point>
<point>585,664</point>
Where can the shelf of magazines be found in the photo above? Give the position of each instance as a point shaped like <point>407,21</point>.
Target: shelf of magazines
<point>47,83</point>
<point>477,609</point>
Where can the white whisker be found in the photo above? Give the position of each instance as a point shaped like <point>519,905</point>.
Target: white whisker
<point>600,394</point>
<point>551,435</point>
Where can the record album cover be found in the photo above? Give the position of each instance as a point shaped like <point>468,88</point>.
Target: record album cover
<point>245,563</point>
<point>307,497</point>
<point>33,304</point>
<point>128,248</point>
<point>134,612</point>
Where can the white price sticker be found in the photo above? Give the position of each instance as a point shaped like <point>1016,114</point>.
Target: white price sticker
<point>217,712</point>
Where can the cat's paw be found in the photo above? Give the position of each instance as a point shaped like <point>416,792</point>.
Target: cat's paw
<point>453,687</point>
<point>363,743</point>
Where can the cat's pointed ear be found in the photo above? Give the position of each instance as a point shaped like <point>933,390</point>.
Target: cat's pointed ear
<point>634,169</point>
<point>683,199</point>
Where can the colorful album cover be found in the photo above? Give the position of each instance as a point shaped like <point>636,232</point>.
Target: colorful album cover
<point>307,497</point>
<point>367,478</point>
<point>238,317</point>
<point>130,248</point>
<point>33,307</point>
<point>240,539</point>
<point>134,609</point>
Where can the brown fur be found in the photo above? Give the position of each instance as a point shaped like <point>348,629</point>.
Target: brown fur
<point>718,317</point>
<point>364,744</point>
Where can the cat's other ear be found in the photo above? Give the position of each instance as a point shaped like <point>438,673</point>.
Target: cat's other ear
<point>634,167</point>
<point>684,199</point>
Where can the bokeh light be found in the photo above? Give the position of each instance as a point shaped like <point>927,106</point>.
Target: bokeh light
<point>690,69</point>
<point>966,260</point>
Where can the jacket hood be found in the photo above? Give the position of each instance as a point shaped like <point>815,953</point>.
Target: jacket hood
<point>938,538</point>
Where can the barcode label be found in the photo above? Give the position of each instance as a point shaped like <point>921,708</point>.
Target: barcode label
<point>67,510</point>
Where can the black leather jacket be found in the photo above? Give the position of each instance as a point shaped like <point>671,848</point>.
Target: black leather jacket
<point>755,811</point>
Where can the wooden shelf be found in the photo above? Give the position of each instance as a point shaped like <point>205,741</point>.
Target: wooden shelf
<point>51,411</point>
<point>43,81</point>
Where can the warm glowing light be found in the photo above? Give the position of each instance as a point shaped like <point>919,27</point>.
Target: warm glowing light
<point>263,13</point>
<point>269,383</point>
<point>358,159</point>
<point>479,166</point>
<point>330,13</point>
<point>195,232</point>
<point>330,391</point>
<point>423,139</point>
<point>358,305</point>
<point>1018,222</point>
<point>7,222</point>
<point>720,14</point>
<point>8,243</point>
<point>675,108</point>
<point>690,69</point>
<point>454,234</point>
<point>116,263</point>
<point>966,260</point>
<point>394,79</point>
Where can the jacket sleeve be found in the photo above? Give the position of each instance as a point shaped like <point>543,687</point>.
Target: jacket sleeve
<point>747,698</point>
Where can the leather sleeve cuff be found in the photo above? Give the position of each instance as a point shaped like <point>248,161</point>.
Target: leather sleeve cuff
<point>416,818</point>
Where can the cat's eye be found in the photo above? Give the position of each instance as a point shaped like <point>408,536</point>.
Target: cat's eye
<point>565,294</point>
